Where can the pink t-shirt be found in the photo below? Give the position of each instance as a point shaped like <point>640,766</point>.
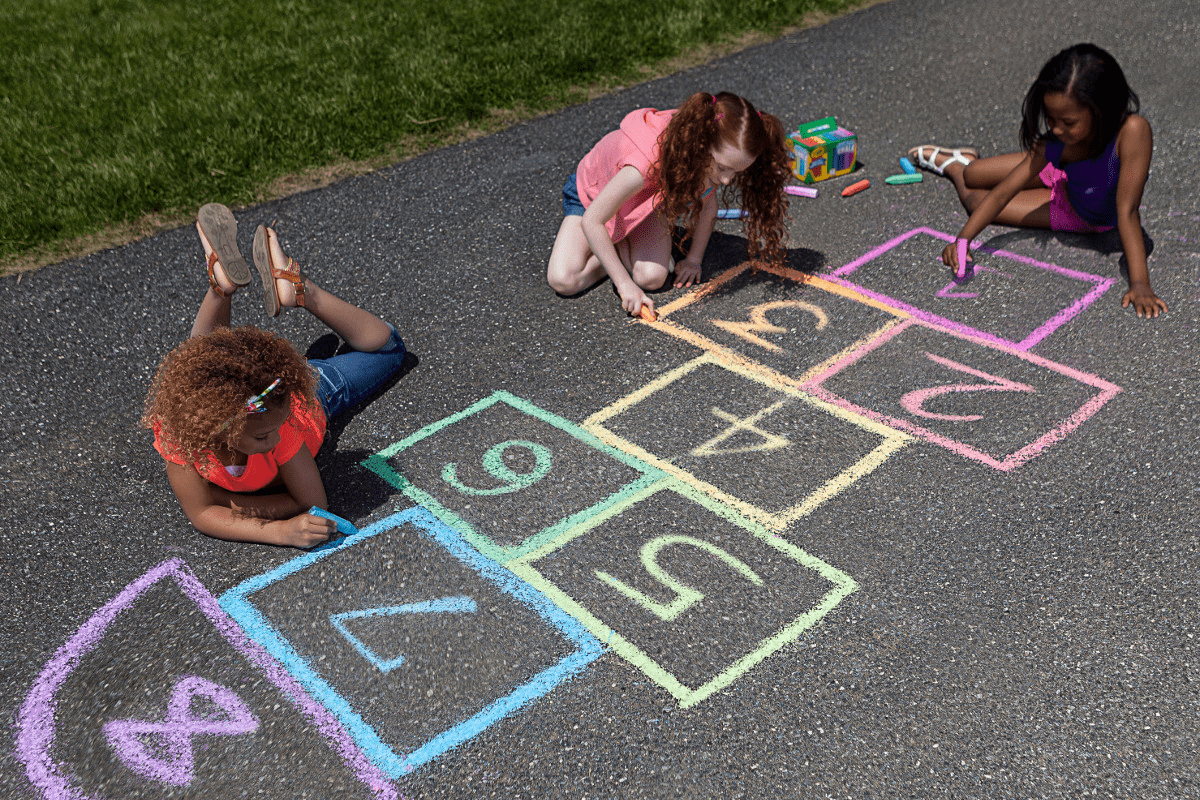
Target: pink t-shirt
<point>302,428</point>
<point>634,144</point>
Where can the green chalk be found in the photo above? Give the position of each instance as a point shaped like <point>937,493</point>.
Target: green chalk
<point>894,179</point>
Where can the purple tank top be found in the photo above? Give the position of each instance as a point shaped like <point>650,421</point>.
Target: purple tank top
<point>1091,183</point>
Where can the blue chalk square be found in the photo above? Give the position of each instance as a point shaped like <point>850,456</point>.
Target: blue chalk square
<point>410,637</point>
<point>508,475</point>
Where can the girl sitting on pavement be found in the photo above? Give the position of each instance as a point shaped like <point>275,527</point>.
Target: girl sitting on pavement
<point>1084,166</point>
<point>623,200</point>
<point>238,414</point>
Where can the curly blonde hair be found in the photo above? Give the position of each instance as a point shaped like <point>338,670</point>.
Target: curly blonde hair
<point>199,393</point>
<point>703,123</point>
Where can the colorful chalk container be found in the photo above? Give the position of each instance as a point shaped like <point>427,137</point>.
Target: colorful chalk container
<point>822,149</point>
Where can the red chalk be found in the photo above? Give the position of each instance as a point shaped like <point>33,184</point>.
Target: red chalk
<point>855,188</point>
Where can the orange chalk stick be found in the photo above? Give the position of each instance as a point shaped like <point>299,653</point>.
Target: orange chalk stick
<point>855,188</point>
<point>647,314</point>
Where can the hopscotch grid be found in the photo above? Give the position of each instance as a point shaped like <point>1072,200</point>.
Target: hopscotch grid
<point>780,520</point>
<point>237,604</point>
<point>843,585</point>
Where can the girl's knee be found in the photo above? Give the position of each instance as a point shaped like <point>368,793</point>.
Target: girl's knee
<point>649,275</point>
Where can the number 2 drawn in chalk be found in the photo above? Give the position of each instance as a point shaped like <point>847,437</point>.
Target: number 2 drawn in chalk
<point>914,402</point>
<point>770,441</point>
<point>493,462</point>
<point>687,596</point>
<point>760,324</point>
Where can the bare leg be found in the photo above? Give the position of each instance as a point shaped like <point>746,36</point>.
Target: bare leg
<point>1029,208</point>
<point>214,309</point>
<point>649,249</point>
<point>361,329</point>
<point>573,267</point>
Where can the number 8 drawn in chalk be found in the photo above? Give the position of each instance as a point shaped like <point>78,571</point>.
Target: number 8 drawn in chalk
<point>493,462</point>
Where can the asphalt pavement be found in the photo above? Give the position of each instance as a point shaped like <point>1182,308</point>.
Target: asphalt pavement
<point>846,529</point>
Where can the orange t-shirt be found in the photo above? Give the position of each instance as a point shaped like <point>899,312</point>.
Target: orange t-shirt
<point>303,427</point>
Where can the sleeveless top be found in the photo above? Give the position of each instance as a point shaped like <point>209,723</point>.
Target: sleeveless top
<point>1091,182</point>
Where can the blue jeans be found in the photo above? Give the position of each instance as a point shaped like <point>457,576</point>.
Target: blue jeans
<point>350,378</point>
<point>572,206</point>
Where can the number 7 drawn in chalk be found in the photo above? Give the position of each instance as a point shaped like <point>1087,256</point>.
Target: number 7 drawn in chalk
<point>760,324</point>
<point>914,402</point>
<point>687,596</point>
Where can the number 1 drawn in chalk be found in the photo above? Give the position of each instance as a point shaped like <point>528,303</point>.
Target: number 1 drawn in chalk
<point>914,402</point>
<point>687,596</point>
<point>493,462</point>
<point>760,324</point>
<point>771,441</point>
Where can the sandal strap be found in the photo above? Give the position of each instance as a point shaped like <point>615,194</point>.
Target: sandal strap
<point>212,278</point>
<point>292,274</point>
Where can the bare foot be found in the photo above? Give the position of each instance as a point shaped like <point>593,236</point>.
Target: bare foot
<point>218,272</point>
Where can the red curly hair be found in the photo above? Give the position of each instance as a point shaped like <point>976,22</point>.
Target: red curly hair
<point>199,394</point>
<point>703,123</point>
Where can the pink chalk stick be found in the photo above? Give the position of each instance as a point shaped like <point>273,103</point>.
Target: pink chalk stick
<point>803,191</point>
<point>961,249</point>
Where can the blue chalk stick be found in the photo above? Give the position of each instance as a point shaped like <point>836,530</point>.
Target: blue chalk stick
<point>730,213</point>
<point>344,526</point>
<point>907,166</point>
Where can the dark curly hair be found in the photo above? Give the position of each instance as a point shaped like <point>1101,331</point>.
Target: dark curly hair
<point>202,386</point>
<point>705,122</point>
<point>1093,78</point>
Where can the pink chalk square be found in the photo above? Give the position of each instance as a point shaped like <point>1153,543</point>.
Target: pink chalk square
<point>998,405</point>
<point>1007,299</point>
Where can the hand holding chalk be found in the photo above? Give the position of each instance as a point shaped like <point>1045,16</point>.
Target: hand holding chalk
<point>960,250</point>
<point>647,313</point>
<point>345,527</point>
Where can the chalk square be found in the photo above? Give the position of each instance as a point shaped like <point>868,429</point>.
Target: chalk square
<point>1004,300</point>
<point>552,473</point>
<point>731,431</point>
<point>757,592</point>
<point>998,405</point>
<point>785,322</point>
<point>486,654</point>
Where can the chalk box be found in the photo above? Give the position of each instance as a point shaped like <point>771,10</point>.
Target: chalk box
<point>822,149</point>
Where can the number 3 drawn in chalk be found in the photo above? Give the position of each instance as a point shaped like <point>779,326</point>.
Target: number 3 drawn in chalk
<point>688,596</point>
<point>914,402</point>
<point>760,324</point>
<point>493,462</point>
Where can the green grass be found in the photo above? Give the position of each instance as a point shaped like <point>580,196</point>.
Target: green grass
<point>118,109</point>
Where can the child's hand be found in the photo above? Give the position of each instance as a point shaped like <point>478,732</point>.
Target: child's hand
<point>950,258</point>
<point>1145,301</point>
<point>305,530</point>
<point>687,272</point>
<point>633,301</point>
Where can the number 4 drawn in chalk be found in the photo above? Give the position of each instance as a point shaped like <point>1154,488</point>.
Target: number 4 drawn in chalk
<point>914,402</point>
<point>446,605</point>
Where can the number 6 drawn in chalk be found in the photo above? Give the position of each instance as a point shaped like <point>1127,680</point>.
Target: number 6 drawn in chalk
<point>493,462</point>
<point>688,596</point>
<point>760,324</point>
<point>914,402</point>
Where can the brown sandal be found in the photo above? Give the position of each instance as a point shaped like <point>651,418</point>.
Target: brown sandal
<point>269,272</point>
<point>220,228</point>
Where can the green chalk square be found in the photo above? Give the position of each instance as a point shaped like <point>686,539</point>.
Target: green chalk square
<point>508,475</point>
<point>729,629</point>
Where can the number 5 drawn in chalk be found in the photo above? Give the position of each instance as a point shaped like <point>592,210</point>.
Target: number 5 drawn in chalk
<point>493,462</point>
<point>688,596</point>
<point>760,324</point>
<point>914,402</point>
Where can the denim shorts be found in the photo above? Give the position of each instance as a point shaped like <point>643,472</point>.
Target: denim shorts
<point>348,379</point>
<point>572,207</point>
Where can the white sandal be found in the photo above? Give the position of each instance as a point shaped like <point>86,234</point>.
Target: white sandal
<point>930,162</point>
